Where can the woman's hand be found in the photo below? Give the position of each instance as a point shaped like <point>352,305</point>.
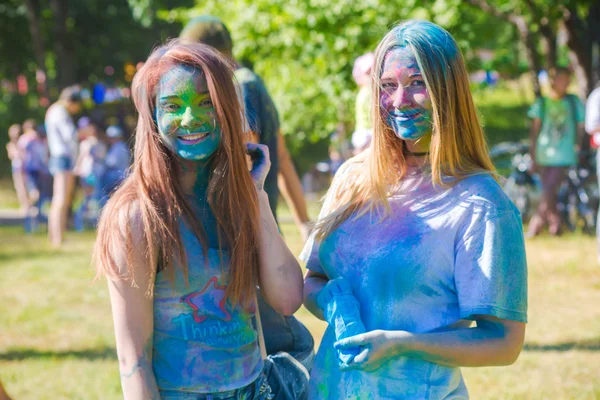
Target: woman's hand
<point>376,348</point>
<point>261,163</point>
<point>492,342</point>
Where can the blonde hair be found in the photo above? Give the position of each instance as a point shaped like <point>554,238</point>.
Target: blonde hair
<point>457,148</point>
<point>153,185</point>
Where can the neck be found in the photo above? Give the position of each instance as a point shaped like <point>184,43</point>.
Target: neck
<point>416,152</point>
<point>194,176</point>
<point>555,96</point>
<point>417,160</point>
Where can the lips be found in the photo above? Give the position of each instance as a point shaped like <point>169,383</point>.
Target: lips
<point>192,138</point>
<point>406,116</point>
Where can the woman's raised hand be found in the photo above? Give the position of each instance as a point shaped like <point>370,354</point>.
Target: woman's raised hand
<point>261,163</point>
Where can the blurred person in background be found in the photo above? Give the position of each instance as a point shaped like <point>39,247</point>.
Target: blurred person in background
<point>416,239</point>
<point>263,118</point>
<point>282,333</point>
<point>363,131</point>
<point>592,126</point>
<point>63,145</point>
<point>90,169</point>
<point>117,161</point>
<point>35,167</point>
<point>555,138</point>
<point>15,155</point>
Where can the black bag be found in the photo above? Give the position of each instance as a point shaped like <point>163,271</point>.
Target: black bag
<point>286,376</point>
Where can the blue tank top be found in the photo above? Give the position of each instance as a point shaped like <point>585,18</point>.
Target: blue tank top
<point>202,343</point>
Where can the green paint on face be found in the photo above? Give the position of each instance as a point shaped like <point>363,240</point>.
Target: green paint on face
<point>185,114</point>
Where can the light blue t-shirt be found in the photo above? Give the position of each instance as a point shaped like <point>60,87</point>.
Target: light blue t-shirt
<point>444,255</point>
<point>201,343</point>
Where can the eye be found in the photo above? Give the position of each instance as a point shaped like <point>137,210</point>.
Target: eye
<point>417,82</point>
<point>170,107</point>
<point>388,87</point>
<point>206,103</point>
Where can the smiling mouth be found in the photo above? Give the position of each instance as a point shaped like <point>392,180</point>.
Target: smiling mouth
<point>406,117</point>
<point>193,138</point>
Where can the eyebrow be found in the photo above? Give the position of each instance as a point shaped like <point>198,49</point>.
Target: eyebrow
<point>174,96</point>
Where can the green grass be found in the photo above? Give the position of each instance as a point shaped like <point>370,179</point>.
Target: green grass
<point>56,337</point>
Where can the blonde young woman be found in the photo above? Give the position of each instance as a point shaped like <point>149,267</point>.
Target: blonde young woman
<point>419,235</point>
<point>188,237</point>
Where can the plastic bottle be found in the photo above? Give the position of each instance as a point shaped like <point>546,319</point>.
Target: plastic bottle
<point>342,312</point>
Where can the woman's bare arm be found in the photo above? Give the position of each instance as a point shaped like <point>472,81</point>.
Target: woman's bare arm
<point>133,314</point>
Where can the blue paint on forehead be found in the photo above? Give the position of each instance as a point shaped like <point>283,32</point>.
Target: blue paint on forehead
<point>430,42</point>
<point>422,34</point>
<point>179,73</point>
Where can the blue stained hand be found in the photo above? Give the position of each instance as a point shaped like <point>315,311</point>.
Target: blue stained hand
<point>261,163</point>
<point>341,310</point>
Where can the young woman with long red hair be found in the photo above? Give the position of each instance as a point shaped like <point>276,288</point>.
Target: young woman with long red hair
<point>184,240</point>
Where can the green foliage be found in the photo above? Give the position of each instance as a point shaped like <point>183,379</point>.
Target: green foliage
<point>13,29</point>
<point>305,51</point>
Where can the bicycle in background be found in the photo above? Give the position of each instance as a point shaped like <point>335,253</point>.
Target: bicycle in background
<point>578,196</point>
<point>521,186</point>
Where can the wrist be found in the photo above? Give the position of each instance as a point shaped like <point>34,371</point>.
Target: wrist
<point>402,342</point>
<point>262,195</point>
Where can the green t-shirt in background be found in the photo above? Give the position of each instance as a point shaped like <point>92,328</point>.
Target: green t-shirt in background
<point>558,136</point>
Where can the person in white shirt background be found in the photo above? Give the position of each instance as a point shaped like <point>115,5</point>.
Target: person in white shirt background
<point>63,146</point>
<point>592,127</point>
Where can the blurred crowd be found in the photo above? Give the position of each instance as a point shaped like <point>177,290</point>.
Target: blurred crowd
<point>67,151</point>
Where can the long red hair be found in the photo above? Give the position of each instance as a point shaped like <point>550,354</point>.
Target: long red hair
<point>153,186</point>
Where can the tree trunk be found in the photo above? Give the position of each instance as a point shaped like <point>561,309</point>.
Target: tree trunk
<point>64,52</point>
<point>580,49</point>
<point>33,8</point>
<point>533,62</point>
<point>525,35</point>
<point>547,31</point>
<point>550,44</point>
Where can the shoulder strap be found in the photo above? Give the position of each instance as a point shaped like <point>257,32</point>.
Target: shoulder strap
<point>542,107</point>
<point>571,98</point>
<point>261,337</point>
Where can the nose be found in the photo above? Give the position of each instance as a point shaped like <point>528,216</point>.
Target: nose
<point>401,97</point>
<point>188,120</point>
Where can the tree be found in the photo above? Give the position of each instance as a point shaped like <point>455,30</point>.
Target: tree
<point>538,20</point>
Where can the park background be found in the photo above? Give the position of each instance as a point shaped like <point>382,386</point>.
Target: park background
<point>56,337</point>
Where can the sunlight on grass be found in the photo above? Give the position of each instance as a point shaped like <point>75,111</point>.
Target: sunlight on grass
<point>56,335</point>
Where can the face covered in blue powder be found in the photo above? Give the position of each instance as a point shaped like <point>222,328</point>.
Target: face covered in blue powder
<point>404,100</point>
<point>185,114</point>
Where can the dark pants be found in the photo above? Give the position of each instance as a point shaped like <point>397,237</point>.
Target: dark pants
<point>257,390</point>
<point>547,213</point>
